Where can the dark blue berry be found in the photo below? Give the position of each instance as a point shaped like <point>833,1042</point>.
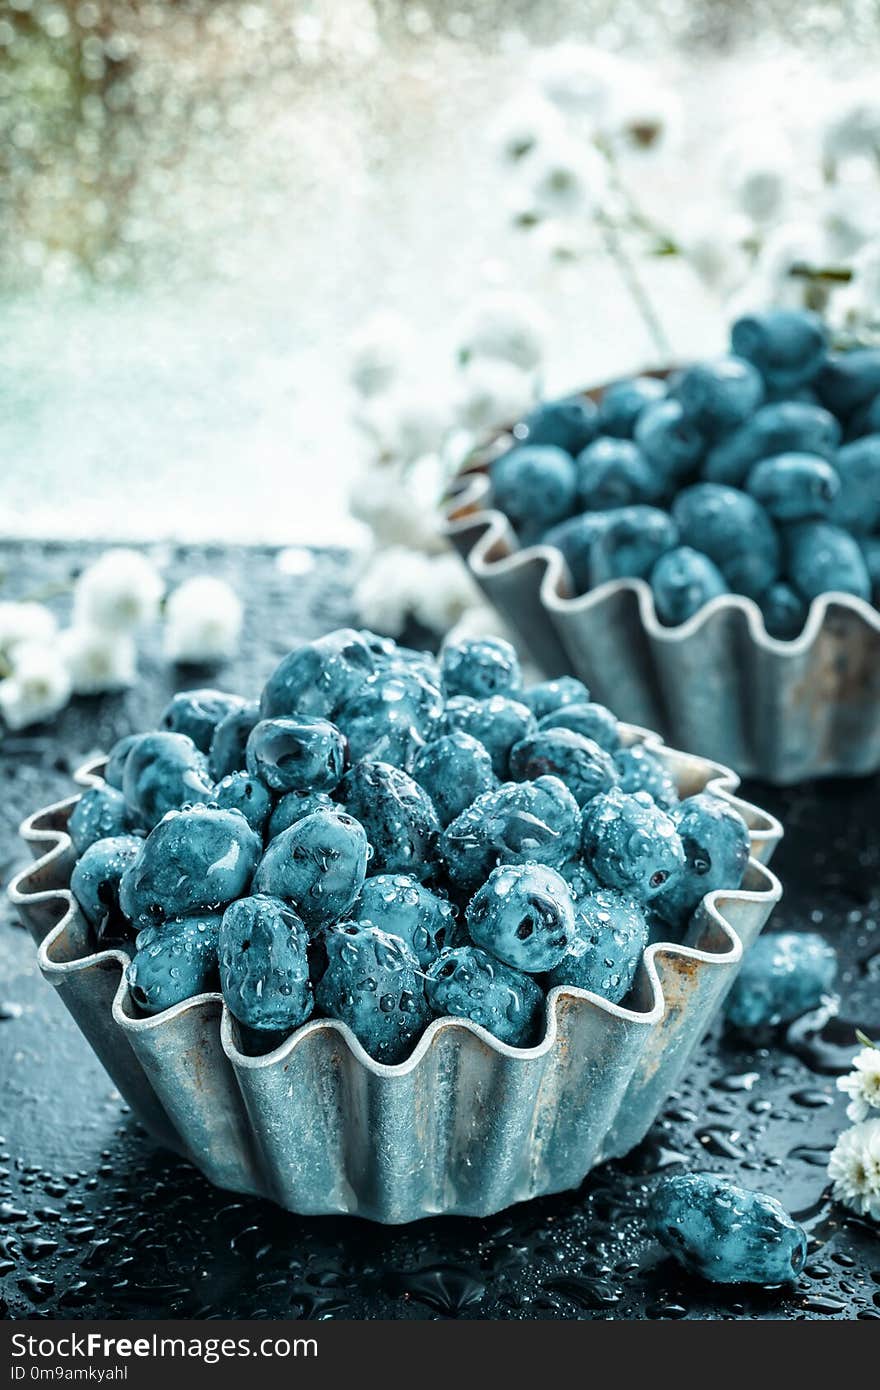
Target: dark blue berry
<point>784,427</point>
<point>480,667</point>
<point>576,539</point>
<point>631,543</point>
<point>727,1234</point>
<point>466,982</point>
<point>823,559</point>
<point>520,822</point>
<point>498,723</point>
<point>642,771</point>
<point>623,402</point>
<point>716,851</point>
<point>115,766</point>
<point>197,713</point>
<point>99,813</point>
<point>784,975</point>
<point>230,740</point>
<point>391,716</point>
<point>720,394</point>
<point>857,507</point>
<point>794,487</point>
<point>296,753</point>
<point>787,346</point>
<point>264,967</point>
<point>734,531</point>
<point>849,380</point>
<point>548,697</point>
<point>318,677</point>
<point>615,473</point>
<point>372,983</point>
<point>631,844</point>
<point>162,773</point>
<point>241,792</point>
<point>403,907</point>
<point>524,915</point>
<point>593,721</point>
<point>784,611</point>
<point>454,770</point>
<point>569,424</point>
<point>584,767</point>
<point>397,815</point>
<point>174,961</point>
<point>296,806</point>
<point>670,442</point>
<point>534,485</point>
<point>610,934</point>
<point>682,582</point>
<point>319,864</point>
<point>95,881</point>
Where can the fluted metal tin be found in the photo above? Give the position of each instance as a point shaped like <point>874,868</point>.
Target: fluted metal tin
<point>467,1125</point>
<point>718,684</point>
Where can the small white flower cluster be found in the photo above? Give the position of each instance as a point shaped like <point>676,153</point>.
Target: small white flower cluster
<point>112,599</point>
<point>854,1166</point>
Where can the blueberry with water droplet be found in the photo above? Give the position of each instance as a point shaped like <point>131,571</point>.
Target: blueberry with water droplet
<point>319,676</point>
<point>296,806</point>
<point>454,770</point>
<point>643,771</point>
<point>391,716</point>
<point>796,487</point>
<point>264,967</point>
<point>397,815</point>
<point>630,544</point>
<point>114,769</point>
<point>584,767</point>
<point>780,428</point>
<point>535,485</point>
<point>725,1233</point>
<point>319,864</point>
<point>163,772</point>
<point>631,844</point>
<point>734,531</point>
<point>229,740</point>
<point>95,881</point>
<point>466,982</point>
<point>716,849</point>
<point>524,915</point>
<point>718,394</point>
<point>372,983</point>
<point>174,961</point>
<point>100,812</point>
<point>197,713</point>
<point>480,667</point>
<point>623,402</point>
<point>593,721</point>
<point>403,907</point>
<point>518,823</point>
<point>615,473</point>
<point>568,423</point>
<point>301,753</point>
<point>241,792</point>
<point>549,697</point>
<point>498,723</point>
<point>788,346</point>
<point>609,935</point>
<point>784,975</point>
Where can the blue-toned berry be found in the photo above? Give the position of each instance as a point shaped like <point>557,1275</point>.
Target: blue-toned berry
<point>388,656</point>
<point>534,485</point>
<point>498,723</point>
<point>524,915</point>
<point>241,792</point>
<point>520,822</point>
<point>197,713</point>
<point>480,667</point>
<point>670,442</point>
<point>849,380</point>
<point>197,860</point>
<point>548,697</point>
<point>720,394</point>
<point>264,966</point>
<point>785,612</point>
<point>623,402</point>
<point>787,346</point>
<point>584,767</point>
<point>575,539</point>
<point>174,962</point>
<point>569,424</point>
<point>318,677</point>
<point>784,975</point>
<point>99,813</point>
<point>794,487</point>
<point>230,738</point>
<point>403,907</point>
<point>115,766</point>
<point>454,770</point>
<point>589,719</point>
<point>865,420</point>
<point>825,559</point>
<point>162,773</point>
<point>783,427</point>
<point>296,806</point>
<point>870,547</point>
<point>734,531</point>
<point>727,1234</point>
<point>95,882</point>
<point>641,770</point>
<point>372,984</point>
<point>631,844</point>
<point>610,935</point>
<point>716,851</point>
<point>858,505</point>
<point>466,982</point>
<point>683,581</point>
<point>631,544</point>
<point>615,473</point>
<point>397,815</point>
<point>296,753</point>
<point>319,864</point>
<point>580,878</point>
<point>391,717</point>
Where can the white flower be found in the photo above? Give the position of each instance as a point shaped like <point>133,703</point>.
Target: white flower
<point>202,621</point>
<point>713,246</point>
<point>567,179</point>
<point>98,661</point>
<point>377,352</point>
<point>408,422</point>
<point>641,111</point>
<point>386,592</point>
<point>853,127</point>
<point>758,174</point>
<point>506,326</point>
<point>37,689</point>
<point>560,240</point>
<point>447,591</point>
<point>525,126</point>
<point>401,508</point>
<point>863,1084</point>
<point>788,246</point>
<point>25,622</point>
<point>856,306</point>
<point>493,393</point>
<point>578,78</point>
<point>854,1169</point>
<point>119,592</point>
<point>849,217</point>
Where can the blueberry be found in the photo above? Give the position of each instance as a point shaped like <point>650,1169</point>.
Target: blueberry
<point>592,720</point>
<point>610,935</point>
<point>575,539</point>
<point>580,878</point>
<point>480,666</point>
<point>683,581</point>
<point>548,697</point>
<point>196,860</point>
<point>197,713</point>
<point>641,770</point>
<point>95,882</point>
<point>115,766</point>
<point>727,1234</point>
<point>99,813</point>
<point>174,961</point>
<point>162,773</point>
<point>241,792</point>
<point>670,442</point>
<point>720,394</point>
<point>397,815</point>
<point>785,427</point>
<point>534,485</point>
<point>631,544</point>
<point>518,823</point>
<point>318,677</point>
<point>614,473</point>
<point>584,767</point>
<point>849,380</point>
<point>785,612</point>
<point>319,864</point>
<point>466,982</point>
<point>794,487</point>
<point>734,531</point>
<point>372,984</point>
<point>858,505</point>
<point>870,547</point>
<point>229,741</point>
<point>390,718</point>
<point>623,402</point>
<point>569,424</point>
<point>296,806</point>
<point>716,851</point>
<point>823,559</point>
<point>297,753</point>
<point>454,770</point>
<point>264,967</point>
<point>401,906</point>
<point>389,656</point>
<point>523,915</point>
<point>498,723</point>
<point>631,844</point>
<point>788,346</point>
<point>865,420</point>
<point>784,975</point>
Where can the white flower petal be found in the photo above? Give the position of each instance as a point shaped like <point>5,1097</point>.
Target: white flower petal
<point>854,1169</point>
<point>37,689</point>
<point>203,621</point>
<point>25,622</point>
<point>98,661</point>
<point>506,326</point>
<point>118,593</point>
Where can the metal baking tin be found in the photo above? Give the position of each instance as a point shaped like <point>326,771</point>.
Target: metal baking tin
<point>467,1125</point>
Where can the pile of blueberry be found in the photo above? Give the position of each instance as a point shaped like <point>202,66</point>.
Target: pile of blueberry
<point>757,473</point>
<point>386,837</point>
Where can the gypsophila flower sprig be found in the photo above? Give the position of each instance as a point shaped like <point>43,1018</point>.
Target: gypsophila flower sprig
<point>854,1169</point>
<point>862,1084</point>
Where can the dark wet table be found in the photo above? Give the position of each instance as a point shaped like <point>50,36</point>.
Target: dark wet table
<point>95,1221</point>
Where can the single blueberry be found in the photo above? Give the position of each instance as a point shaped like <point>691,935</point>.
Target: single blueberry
<point>787,346</point>
<point>575,540</point>
<point>197,713</point>
<point>454,770</point>
<point>734,531</point>
<point>318,677</point>
<point>849,380</point>
<point>784,427</point>
<point>631,544</point>
<point>388,655</point>
<point>547,697</point>
<point>162,773</point>
<point>825,559</point>
<point>592,720</point>
<point>480,667</point>
<point>465,982</point>
<point>569,424</point>
<point>296,806</point>
<point>264,967</point>
<point>319,864</point>
<point>683,581</point>
<point>623,402</point>
<point>498,723</point>
<point>241,792</point>
<point>725,1233</point>
<point>671,443</point>
<point>584,767</point>
<point>784,975</point>
<point>372,983</point>
<point>296,753</point>
<point>615,473</point>
<point>99,813</point>
<point>227,753</point>
<point>641,770</point>
<point>174,962</point>
<point>95,882</point>
<point>794,487</point>
<point>391,717</point>
<point>719,394</point>
<point>716,851</point>
<point>518,823</point>
<point>580,878</point>
<point>114,769</point>
<point>631,844</point>
<point>609,937</point>
<point>784,611</point>
<point>403,907</point>
<point>870,548</point>
<point>534,485</point>
<point>857,507</point>
<point>523,915</point>
<point>398,817</point>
